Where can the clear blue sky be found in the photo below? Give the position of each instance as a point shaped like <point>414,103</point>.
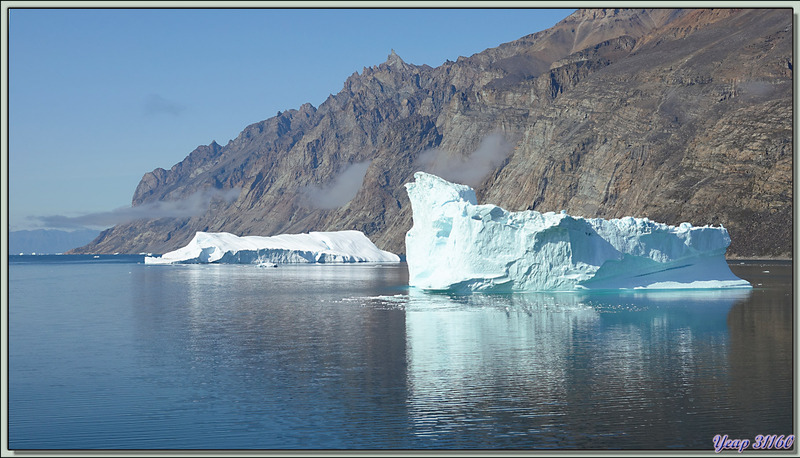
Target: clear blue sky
<point>98,97</point>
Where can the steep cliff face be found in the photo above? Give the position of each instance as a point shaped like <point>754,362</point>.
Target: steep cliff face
<point>677,115</point>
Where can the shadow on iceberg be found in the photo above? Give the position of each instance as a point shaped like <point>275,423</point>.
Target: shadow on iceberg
<point>457,245</point>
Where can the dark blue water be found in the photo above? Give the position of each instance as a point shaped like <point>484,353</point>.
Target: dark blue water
<point>108,353</point>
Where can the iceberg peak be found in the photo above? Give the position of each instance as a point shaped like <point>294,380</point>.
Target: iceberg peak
<point>457,245</point>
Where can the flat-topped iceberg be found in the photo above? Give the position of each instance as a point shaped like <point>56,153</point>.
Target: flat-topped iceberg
<point>457,245</point>
<point>323,247</point>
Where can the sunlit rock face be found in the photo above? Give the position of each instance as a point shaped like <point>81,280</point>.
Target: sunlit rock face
<point>457,245</point>
<point>677,115</point>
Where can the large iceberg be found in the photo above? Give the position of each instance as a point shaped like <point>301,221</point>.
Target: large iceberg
<point>457,245</point>
<point>322,247</point>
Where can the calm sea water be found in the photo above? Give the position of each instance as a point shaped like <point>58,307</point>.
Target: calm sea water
<point>108,353</point>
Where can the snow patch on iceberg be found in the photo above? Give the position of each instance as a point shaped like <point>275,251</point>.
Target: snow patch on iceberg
<point>457,245</point>
<point>322,247</point>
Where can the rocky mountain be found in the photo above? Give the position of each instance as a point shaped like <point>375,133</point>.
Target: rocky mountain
<point>673,114</point>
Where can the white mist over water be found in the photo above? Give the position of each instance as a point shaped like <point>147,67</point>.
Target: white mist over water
<point>193,205</point>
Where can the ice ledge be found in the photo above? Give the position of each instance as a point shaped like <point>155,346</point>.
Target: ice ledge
<point>457,245</point>
<point>314,247</point>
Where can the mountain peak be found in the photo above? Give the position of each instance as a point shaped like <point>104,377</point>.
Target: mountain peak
<point>394,59</point>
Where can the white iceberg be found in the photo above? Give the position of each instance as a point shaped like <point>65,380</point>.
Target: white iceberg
<point>457,245</point>
<point>322,247</point>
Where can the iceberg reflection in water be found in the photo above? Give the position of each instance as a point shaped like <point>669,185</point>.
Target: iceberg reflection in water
<point>565,369</point>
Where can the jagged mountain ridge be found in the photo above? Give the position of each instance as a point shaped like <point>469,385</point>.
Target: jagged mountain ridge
<point>677,115</point>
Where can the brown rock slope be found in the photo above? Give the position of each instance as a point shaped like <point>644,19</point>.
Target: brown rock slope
<point>677,115</point>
